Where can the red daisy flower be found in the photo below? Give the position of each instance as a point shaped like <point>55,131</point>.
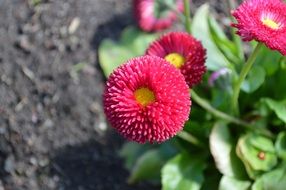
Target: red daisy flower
<point>154,15</point>
<point>263,21</point>
<point>147,99</point>
<point>184,52</point>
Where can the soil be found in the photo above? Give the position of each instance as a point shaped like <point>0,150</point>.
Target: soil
<point>53,134</point>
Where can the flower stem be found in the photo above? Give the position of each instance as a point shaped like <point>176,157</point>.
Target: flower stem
<point>205,104</point>
<point>245,70</point>
<point>190,138</point>
<point>187,14</point>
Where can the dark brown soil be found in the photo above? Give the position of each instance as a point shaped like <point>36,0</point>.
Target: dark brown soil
<point>53,133</point>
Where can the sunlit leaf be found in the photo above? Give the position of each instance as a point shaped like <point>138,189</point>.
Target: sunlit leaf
<point>200,29</point>
<point>222,149</point>
<point>257,153</point>
<point>227,47</point>
<point>183,172</point>
<point>230,183</point>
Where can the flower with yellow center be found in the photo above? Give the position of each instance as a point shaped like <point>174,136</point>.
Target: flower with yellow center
<point>270,23</point>
<point>263,21</point>
<point>175,59</point>
<point>144,96</point>
<point>184,52</point>
<point>147,99</point>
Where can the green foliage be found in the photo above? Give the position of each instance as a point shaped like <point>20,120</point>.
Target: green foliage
<point>255,79</point>
<point>280,145</point>
<point>133,43</point>
<point>240,155</point>
<point>230,183</point>
<point>274,180</point>
<point>144,161</point>
<point>184,172</point>
<point>279,107</point>
<point>201,30</point>
<point>223,151</point>
<point>257,153</point>
<point>131,152</point>
<point>147,167</point>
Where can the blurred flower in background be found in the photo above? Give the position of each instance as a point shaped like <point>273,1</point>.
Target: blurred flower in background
<point>155,15</point>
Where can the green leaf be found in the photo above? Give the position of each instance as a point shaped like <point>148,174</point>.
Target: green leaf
<point>222,149</point>
<point>273,180</point>
<point>280,145</point>
<point>230,183</point>
<point>133,43</point>
<point>227,47</point>
<point>262,143</point>
<point>141,160</point>
<point>130,153</point>
<point>269,60</point>
<point>279,107</point>
<point>183,172</point>
<point>201,30</point>
<point>254,80</point>
<point>257,157</point>
<point>147,167</point>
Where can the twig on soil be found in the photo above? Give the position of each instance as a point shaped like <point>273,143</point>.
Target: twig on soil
<point>28,73</point>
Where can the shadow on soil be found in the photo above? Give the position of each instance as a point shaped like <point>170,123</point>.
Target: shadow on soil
<point>95,165</point>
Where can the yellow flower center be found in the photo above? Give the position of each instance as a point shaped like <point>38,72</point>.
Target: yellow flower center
<point>270,23</point>
<point>144,96</point>
<point>175,59</point>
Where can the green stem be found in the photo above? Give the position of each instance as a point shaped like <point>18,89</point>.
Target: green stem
<point>190,138</point>
<point>187,14</point>
<point>246,68</point>
<point>205,104</point>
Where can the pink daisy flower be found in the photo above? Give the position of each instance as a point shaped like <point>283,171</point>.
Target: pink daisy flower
<point>184,52</point>
<point>263,21</point>
<point>150,16</point>
<point>147,99</point>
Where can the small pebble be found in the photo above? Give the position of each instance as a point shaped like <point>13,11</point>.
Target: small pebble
<point>48,123</point>
<point>9,165</point>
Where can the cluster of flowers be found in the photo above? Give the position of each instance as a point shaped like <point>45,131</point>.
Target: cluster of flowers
<point>148,17</point>
<point>148,98</point>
